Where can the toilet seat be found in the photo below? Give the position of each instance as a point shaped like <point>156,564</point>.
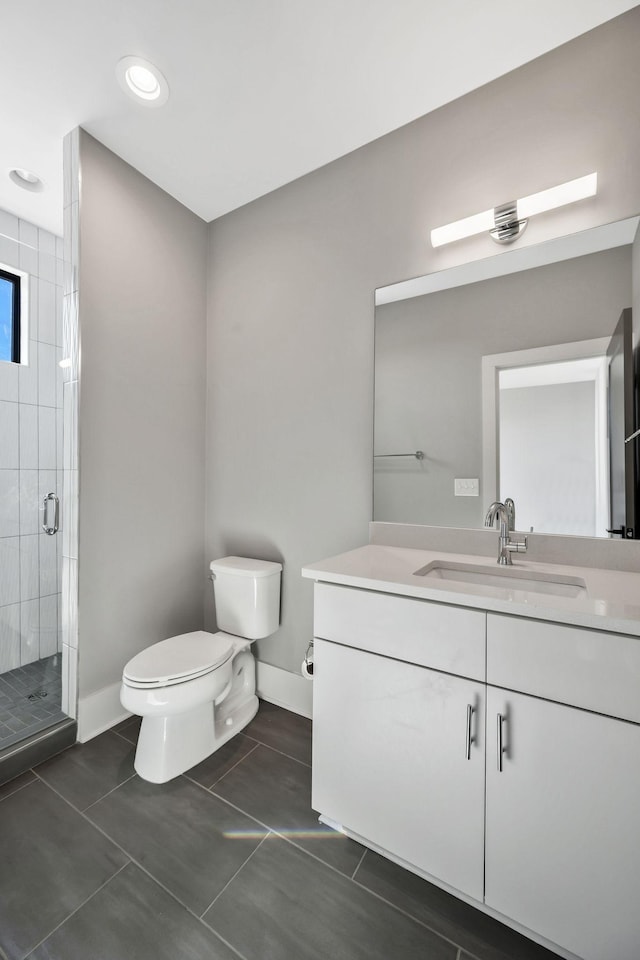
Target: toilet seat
<point>178,659</point>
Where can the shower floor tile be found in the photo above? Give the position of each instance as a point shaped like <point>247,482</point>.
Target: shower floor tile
<point>30,699</point>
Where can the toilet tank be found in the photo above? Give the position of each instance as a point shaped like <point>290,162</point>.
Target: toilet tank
<point>247,596</point>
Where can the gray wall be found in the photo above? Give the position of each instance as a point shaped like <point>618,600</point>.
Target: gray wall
<point>291,280</point>
<point>142,310</point>
<point>428,383</point>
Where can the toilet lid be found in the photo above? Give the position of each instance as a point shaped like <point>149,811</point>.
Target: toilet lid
<point>179,658</point>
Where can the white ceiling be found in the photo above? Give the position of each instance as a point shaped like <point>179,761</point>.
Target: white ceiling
<point>262,91</point>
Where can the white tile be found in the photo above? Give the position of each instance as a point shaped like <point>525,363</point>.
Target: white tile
<point>28,233</point>
<point>48,566</point>
<point>9,637</point>
<point>9,380</point>
<point>66,171</point>
<point>28,436</point>
<point>59,248</point>
<point>9,503</point>
<point>59,555</point>
<point>64,705</point>
<point>59,378</point>
<point>48,626</point>
<point>66,234</point>
<point>73,683</point>
<point>71,250</point>
<point>47,267</point>
<point>70,335</point>
<point>28,376</point>
<point>9,225</point>
<point>10,253</point>
<point>59,623</point>
<point>29,577</point>
<point>59,273</point>
<point>71,612</point>
<point>29,631</point>
<point>75,164</point>
<point>32,308</point>
<point>47,438</point>
<point>59,315</point>
<point>46,242</point>
<point>47,483</point>
<point>70,674</point>
<point>70,425</point>
<point>9,570</point>
<point>46,375</point>
<point>9,449</point>
<point>28,259</point>
<point>69,514</point>
<point>64,594</point>
<point>46,311</point>
<point>59,437</point>
<point>29,502</point>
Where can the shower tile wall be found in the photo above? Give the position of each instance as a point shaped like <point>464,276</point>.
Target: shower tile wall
<point>31,424</point>
<point>71,374</point>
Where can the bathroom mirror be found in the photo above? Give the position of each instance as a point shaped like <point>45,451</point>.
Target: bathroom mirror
<point>512,377</point>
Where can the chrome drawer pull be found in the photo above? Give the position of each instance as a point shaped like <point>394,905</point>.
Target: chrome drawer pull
<point>501,748</point>
<point>470,738</point>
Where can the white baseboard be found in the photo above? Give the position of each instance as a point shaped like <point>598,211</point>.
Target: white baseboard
<point>99,711</point>
<point>285,689</point>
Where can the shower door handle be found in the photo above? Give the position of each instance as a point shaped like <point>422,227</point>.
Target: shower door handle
<point>50,498</point>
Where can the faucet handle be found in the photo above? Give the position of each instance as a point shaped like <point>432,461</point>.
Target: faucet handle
<point>517,546</point>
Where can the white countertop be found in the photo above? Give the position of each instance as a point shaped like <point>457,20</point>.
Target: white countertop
<point>612,600</point>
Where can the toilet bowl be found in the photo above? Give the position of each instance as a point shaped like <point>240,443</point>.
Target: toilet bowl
<point>197,690</point>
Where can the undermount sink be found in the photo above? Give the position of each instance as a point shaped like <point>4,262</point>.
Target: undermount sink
<point>506,578</point>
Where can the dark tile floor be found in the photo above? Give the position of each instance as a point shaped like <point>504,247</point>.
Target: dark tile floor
<point>30,699</point>
<point>226,862</point>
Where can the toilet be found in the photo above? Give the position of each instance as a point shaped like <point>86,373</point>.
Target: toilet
<point>197,690</point>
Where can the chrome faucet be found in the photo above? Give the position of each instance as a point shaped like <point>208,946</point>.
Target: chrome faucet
<point>505,512</point>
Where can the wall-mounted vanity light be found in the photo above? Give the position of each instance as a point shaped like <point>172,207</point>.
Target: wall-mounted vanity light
<point>506,222</point>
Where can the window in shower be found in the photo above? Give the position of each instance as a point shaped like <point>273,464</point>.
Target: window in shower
<point>9,316</point>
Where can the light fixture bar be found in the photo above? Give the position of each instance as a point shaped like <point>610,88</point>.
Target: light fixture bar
<point>493,220</point>
<point>558,196</point>
<point>459,229</point>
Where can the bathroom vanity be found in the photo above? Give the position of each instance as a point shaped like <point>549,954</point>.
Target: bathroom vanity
<point>481,727</point>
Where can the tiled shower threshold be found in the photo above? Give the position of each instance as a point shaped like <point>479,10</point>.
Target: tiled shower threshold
<point>30,698</point>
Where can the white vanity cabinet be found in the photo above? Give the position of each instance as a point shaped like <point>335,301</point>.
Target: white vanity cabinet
<point>495,753</point>
<point>398,748</point>
<point>563,825</point>
<point>563,807</point>
<point>398,758</point>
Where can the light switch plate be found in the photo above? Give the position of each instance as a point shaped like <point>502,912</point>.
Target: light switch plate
<point>469,487</point>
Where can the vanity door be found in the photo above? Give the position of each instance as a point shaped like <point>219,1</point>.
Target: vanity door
<point>398,758</point>
<point>563,824</point>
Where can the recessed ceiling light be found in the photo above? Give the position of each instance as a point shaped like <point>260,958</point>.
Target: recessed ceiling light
<point>142,81</point>
<point>25,179</point>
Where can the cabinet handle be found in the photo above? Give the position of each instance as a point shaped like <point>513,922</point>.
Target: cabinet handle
<point>469,738</point>
<point>501,747</point>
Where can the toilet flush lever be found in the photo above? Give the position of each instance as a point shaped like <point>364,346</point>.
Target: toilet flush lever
<point>50,498</point>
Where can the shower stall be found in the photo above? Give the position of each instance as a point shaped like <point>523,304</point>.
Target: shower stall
<point>38,647</point>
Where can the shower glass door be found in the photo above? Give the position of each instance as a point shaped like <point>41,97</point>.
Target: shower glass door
<point>33,684</point>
